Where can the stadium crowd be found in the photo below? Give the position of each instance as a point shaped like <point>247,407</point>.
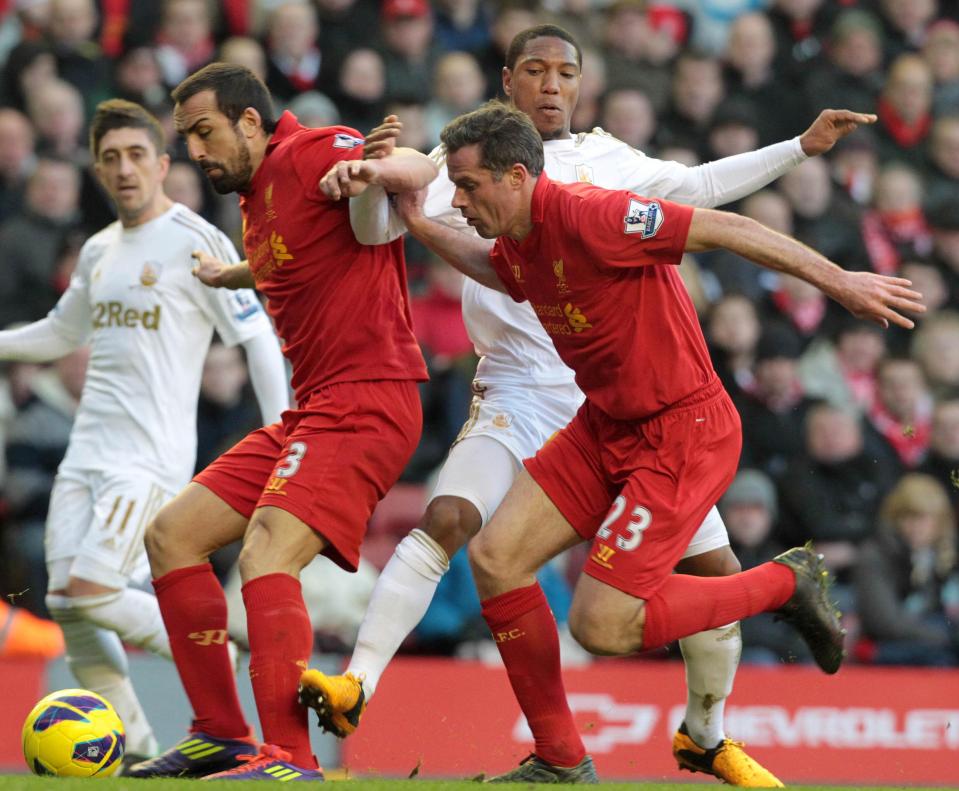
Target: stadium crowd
<point>851,432</point>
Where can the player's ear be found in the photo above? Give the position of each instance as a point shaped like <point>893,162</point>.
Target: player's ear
<point>507,81</point>
<point>164,165</point>
<point>518,175</point>
<point>251,121</point>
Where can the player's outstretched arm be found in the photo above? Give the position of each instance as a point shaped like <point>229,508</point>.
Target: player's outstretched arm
<point>218,274</point>
<point>734,177</point>
<point>466,252</point>
<point>268,375</point>
<point>38,342</point>
<point>864,294</point>
<point>403,170</point>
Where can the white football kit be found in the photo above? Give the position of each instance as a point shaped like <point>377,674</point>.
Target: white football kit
<point>524,392</point>
<point>149,323</point>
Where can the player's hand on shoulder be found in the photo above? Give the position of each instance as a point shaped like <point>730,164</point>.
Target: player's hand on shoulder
<point>207,269</point>
<point>348,178</point>
<point>879,298</point>
<point>830,127</point>
<point>381,140</point>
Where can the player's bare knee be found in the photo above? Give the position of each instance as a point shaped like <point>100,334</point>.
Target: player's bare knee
<point>720,562</point>
<point>603,633</point>
<point>450,524</point>
<point>488,561</point>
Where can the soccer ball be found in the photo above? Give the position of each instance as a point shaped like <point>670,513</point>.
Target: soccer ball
<point>73,733</point>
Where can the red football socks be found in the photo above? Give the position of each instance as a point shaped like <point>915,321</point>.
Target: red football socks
<point>525,633</point>
<point>281,639</point>
<point>194,611</point>
<point>686,605</point>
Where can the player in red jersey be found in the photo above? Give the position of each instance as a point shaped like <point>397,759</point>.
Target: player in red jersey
<point>657,440</point>
<point>308,484</point>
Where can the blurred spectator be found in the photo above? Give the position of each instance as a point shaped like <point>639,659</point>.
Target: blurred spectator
<point>294,60</point>
<point>36,441</point>
<point>16,159</point>
<point>32,239</point>
<point>30,65</point>
<point>696,90</point>
<point>137,78</point>
<point>905,111</point>
<point>750,509</point>
<point>831,491</point>
<point>732,330</point>
<point>226,410</point>
<point>855,165</point>
<point>896,227</point>
<point>512,17</point>
<point>592,86</point>
<point>345,25</point>
<point>800,305</point>
<point>829,225</point>
<point>183,184</point>
<point>774,406</point>
<point>902,411</point>
<point>635,54</point>
<point>462,25</point>
<point>935,346</point>
<point>734,130</point>
<point>243,51</point>
<point>941,52</point>
<point>942,184</point>
<point>185,39</point>
<point>314,109</point>
<point>415,133</point>
<point>79,58</point>
<point>362,89</point>
<point>751,78</point>
<point>907,582</point>
<point>843,372</point>
<point>628,115</point>
<point>56,110</point>
<point>906,23</point>
<point>942,463</point>
<point>410,51</point>
<point>458,87</point>
<point>851,73</point>
<point>800,28</point>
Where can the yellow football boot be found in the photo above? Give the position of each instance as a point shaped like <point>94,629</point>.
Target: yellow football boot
<point>728,761</point>
<point>339,701</point>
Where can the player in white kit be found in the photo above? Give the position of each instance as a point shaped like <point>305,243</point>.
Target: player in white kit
<point>524,394</point>
<point>149,322</point>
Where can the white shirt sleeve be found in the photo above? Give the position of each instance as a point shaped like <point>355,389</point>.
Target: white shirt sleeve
<point>36,343</point>
<point>714,183</point>
<point>268,375</point>
<point>236,314</point>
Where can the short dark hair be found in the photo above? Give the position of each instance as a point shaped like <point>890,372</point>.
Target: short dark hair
<point>235,88</point>
<point>121,114</point>
<point>521,39</point>
<point>506,136</point>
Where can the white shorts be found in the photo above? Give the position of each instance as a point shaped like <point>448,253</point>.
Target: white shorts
<point>95,527</point>
<point>519,421</point>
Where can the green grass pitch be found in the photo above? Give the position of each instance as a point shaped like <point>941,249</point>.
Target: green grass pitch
<point>29,783</point>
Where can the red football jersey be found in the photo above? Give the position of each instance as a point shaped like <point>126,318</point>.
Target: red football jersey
<point>340,307</point>
<point>599,269</point>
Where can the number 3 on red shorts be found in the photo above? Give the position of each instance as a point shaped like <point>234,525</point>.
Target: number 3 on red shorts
<point>292,461</point>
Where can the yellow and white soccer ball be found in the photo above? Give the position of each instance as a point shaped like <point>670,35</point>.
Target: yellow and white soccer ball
<point>73,733</point>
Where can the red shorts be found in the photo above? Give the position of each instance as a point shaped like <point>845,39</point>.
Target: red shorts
<point>328,463</point>
<point>661,475</point>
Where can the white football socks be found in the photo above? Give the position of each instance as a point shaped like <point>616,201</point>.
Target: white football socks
<point>400,600</point>
<point>98,662</point>
<point>133,614</point>
<point>712,658</point>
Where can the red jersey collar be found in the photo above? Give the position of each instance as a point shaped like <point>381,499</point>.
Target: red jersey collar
<point>285,127</point>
